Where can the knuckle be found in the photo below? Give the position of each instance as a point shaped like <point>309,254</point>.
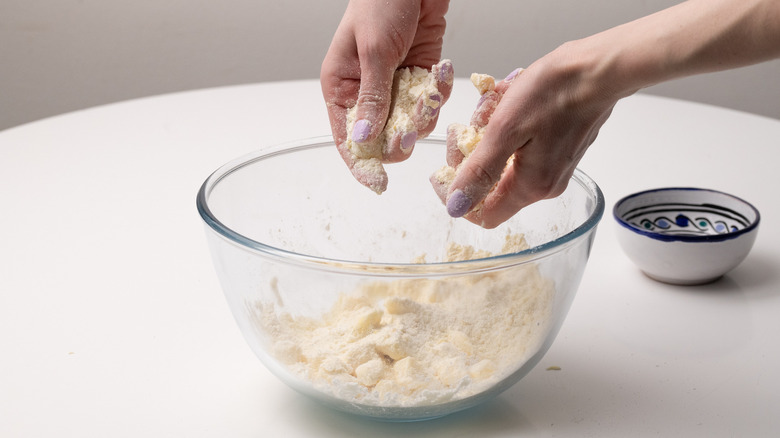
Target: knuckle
<point>488,222</point>
<point>390,44</point>
<point>396,40</point>
<point>546,186</point>
<point>370,97</point>
<point>480,175</point>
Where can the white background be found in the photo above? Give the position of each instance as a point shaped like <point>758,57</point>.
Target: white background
<point>62,55</point>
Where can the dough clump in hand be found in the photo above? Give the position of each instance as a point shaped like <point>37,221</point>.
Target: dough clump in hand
<point>416,99</point>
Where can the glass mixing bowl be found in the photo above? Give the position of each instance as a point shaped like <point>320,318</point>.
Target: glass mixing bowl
<point>383,305</point>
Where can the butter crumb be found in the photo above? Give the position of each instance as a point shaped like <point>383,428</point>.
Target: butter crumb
<point>417,341</point>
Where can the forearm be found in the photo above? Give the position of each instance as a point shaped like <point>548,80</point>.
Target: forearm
<point>697,36</point>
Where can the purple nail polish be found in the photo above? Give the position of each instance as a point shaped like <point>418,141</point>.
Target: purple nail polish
<point>458,204</point>
<point>511,76</point>
<point>360,131</point>
<point>408,140</point>
<point>446,73</point>
<point>482,99</point>
<point>433,111</point>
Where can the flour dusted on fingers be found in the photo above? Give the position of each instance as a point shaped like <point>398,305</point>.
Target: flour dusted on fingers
<point>415,102</point>
<point>463,139</point>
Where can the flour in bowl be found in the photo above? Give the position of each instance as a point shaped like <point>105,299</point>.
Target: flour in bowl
<point>417,342</point>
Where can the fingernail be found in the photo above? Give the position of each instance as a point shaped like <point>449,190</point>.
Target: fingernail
<point>360,131</point>
<point>481,100</point>
<point>446,73</point>
<point>458,204</point>
<point>513,75</point>
<point>433,110</point>
<point>408,140</point>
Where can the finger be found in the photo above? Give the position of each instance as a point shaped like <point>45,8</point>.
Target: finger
<point>426,113</point>
<point>400,146</point>
<point>429,105</point>
<point>445,77</point>
<point>475,177</point>
<point>489,101</point>
<point>482,170</point>
<point>373,102</point>
<point>368,172</point>
<point>454,155</point>
<point>340,85</point>
<point>403,135</point>
<point>503,85</point>
<point>485,107</point>
<point>423,120</point>
<point>371,174</point>
<point>383,33</point>
<point>338,123</point>
<point>439,182</point>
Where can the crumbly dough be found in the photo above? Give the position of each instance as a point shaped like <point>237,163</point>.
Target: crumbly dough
<point>410,85</point>
<point>483,82</point>
<point>416,342</point>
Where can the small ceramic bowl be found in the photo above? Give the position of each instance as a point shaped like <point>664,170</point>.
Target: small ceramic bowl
<point>684,235</point>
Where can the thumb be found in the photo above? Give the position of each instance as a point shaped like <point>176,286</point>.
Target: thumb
<point>479,173</point>
<point>475,178</point>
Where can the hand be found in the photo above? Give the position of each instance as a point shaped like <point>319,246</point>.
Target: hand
<point>372,41</point>
<point>551,113</point>
<point>536,135</point>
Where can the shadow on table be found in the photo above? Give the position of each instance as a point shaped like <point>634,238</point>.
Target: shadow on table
<point>757,276</point>
<point>496,417</point>
<point>584,396</point>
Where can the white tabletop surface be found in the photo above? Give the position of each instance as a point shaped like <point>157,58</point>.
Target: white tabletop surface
<point>112,322</point>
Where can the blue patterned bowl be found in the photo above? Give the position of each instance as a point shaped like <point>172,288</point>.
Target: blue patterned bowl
<point>684,235</point>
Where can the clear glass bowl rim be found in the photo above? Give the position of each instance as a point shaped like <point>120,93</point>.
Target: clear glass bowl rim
<point>385,269</point>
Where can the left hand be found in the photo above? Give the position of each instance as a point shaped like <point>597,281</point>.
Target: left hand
<point>545,121</point>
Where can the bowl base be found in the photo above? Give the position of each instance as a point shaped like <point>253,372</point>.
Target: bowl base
<point>683,281</point>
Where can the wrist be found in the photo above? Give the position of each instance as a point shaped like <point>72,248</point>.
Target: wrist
<point>585,74</point>
<point>612,66</point>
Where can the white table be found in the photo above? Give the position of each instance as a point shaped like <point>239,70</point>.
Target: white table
<point>112,322</point>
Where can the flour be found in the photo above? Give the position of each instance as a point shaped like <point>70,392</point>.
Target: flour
<point>416,342</point>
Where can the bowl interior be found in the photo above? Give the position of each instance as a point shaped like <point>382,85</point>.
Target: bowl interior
<point>299,201</point>
<point>686,214</point>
